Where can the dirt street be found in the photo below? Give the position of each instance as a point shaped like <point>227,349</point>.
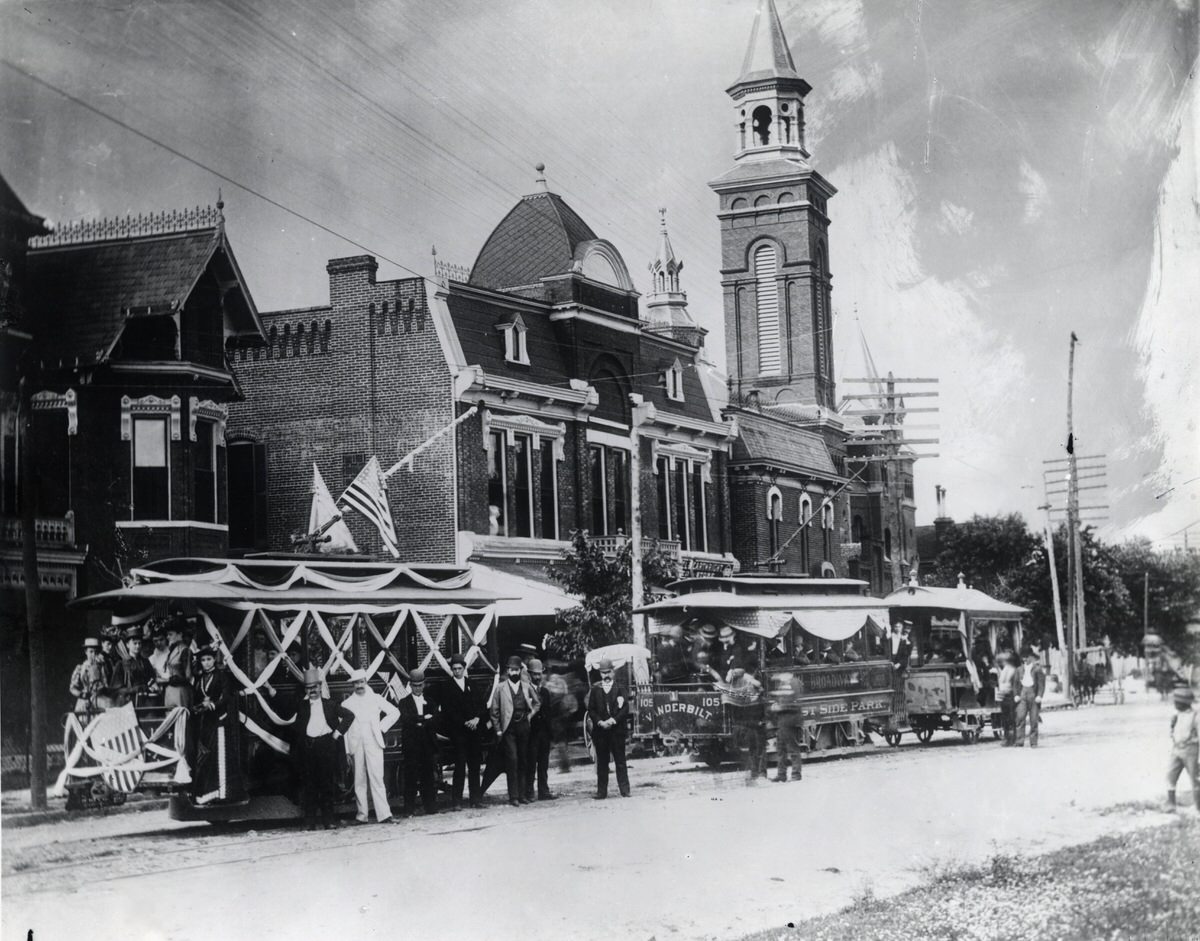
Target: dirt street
<point>693,854</point>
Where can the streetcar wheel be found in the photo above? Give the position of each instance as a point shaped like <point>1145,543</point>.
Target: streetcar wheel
<point>924,735</point>
<point>712,754</point>
<point>892,738</point>
<point>996,734</point>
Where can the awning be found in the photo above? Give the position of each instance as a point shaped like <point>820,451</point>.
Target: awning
<point>835,624</point>
<point>521,595</point>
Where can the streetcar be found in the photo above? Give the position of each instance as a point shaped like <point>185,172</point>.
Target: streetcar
<point>956,635</point>
<point>270,619</point>
<point>817,645</point>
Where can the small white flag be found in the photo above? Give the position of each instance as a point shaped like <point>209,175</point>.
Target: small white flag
<point>367,493</point>
<point>324,519</point>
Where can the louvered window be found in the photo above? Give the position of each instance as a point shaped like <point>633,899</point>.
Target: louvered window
<point>767,302</point>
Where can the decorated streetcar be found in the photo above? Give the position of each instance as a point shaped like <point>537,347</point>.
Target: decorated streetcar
<point>955,637</point>
<point>269,619</point>
<point>817,646</point>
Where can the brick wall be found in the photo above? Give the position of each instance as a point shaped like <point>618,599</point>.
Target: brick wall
<point>334,385</point>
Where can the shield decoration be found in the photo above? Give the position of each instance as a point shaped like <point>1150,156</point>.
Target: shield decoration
<point>118,740</point>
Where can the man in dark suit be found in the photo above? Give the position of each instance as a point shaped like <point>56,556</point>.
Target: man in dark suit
<point>317,750</point>
<point>418,718</point>
<point>463,716</point>
<point>608,710</point>
<point>541,736</point>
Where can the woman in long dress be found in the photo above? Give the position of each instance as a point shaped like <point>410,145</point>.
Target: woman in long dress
<point>213,736</point>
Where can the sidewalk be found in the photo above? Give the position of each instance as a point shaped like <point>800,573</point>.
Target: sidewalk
<point>16,809</point>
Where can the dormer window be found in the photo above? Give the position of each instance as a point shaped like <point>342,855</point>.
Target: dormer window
<point>515,348</point>
<point>674,381</point>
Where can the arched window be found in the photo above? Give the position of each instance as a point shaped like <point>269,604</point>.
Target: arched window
<point>806,509</point>
<point>774,516</point>
<point>857,530</point>
<point>762,126</point>
<point>766,294</point>
<point>887,544</point>
<point>827,531</point>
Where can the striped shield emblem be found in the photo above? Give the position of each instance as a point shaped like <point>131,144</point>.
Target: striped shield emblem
<point>118,740</point>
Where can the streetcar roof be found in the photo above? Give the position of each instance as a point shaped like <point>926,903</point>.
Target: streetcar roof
<point>769,585</point>
<point>725,600</point>
<point>291,581</point>
<point>971,601</point>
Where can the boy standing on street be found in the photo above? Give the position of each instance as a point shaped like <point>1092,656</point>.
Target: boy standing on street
<point>1030,687</point>
<point>1185,746</point>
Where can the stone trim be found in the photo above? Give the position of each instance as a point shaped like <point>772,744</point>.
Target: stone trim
<point>151,405</point>
<point>45,401</point>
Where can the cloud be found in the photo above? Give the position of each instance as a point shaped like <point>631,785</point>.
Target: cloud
<point>955,219</point>
<point>1033,190</point>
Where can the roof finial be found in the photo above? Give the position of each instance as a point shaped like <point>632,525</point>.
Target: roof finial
<point>433,251</point>
<point>662,217</point>
<point>220,211</point>
<point>541,176</point>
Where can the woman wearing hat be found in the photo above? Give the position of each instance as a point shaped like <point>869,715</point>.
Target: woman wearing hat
<point>1185,746</point>
<point>213,734</point>
<point>87,678</point>
<point>178,666</point>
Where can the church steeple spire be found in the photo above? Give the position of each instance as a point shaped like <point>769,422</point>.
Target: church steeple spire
<point>768,55</point>
<point>769,94</point>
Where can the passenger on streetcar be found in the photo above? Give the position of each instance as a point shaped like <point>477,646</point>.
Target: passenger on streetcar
<point>702,671</point>
<point>87,679</point>
<point>731,656</point>
<point>706,642</point>
<point>672,659</point>
<point>178,669</point>
<point>108,658</point>
<point>158,656</point>
<point>829,655</point>
<point>778,654</point>
<point>902,645</point>
<point>806,657</point>
<point>850,655</point>
<point>133,676</point>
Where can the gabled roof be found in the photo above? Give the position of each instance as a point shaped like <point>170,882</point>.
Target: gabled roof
<point>84,292</point>
<point>14,217</point>
<point>536,239</point>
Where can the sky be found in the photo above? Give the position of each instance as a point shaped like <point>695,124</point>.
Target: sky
<point>1007,173</point>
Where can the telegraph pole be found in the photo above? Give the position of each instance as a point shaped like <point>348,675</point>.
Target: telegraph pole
<point>643,412</point>
<point>1074,557</point>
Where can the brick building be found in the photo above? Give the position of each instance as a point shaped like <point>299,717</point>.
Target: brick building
<point>122,328</point>
<point>813,488</point>
<point>577,400</point>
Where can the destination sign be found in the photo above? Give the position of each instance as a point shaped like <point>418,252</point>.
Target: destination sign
<point>853,705</point>
<point>847,677</point>
<point>679,712</point>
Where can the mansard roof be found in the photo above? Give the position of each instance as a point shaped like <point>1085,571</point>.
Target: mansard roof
<point>537,239</point>
<point>766,440</point>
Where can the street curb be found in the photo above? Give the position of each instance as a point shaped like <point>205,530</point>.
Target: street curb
<point>32,818</point>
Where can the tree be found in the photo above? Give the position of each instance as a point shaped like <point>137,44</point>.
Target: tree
<point>1174,593</point>
<point>604,583</point>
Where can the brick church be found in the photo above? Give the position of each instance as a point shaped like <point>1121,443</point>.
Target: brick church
<point>587,399</point>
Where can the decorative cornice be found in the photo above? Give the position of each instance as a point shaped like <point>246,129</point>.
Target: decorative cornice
<point>209,410</point>
<point>170,222</point>
<point>45,401</point>
<point>520,424</point>
<point>151,405</point>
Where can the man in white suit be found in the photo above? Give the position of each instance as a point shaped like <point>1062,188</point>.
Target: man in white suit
<point>373,715</point>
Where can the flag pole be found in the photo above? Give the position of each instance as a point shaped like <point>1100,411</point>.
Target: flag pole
<point>408,458</point>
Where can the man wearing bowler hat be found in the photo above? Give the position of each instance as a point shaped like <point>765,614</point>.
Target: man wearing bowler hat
<point>373,715</point>
<point>540,735</point>
<point>317,749</point>
<point>418,716</point>
<point>608,710</point>
<point>463,716</point>
<point>513,705</point>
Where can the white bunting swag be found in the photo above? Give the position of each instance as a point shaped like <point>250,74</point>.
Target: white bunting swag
<point>93,743</point>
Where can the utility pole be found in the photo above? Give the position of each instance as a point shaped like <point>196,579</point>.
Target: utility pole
<point>33,604</point>
<point>1145,603</point>
<point>1074,557</point>
<point>643,412</point>
<point>1058,621</point>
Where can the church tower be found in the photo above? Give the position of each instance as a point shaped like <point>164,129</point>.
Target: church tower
<point>774,235</point>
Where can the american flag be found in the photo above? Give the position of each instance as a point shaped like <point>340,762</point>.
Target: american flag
<point>117,739</point>
<point>367,493</point>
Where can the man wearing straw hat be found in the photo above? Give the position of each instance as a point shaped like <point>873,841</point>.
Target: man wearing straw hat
<point>373,715</point>
<point>318,729</point>
<point>608,710</point>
